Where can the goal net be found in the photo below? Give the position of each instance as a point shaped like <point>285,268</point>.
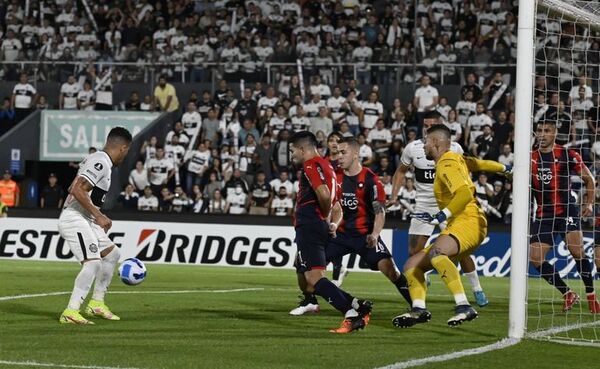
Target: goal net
<point>565,94</point>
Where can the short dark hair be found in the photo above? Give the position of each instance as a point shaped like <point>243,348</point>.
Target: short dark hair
<point>440,128</point>
<point>335,134</point>
<point>119,133</point>
<point>304,137</point>
<point>433,114</point>
<point>351,141</point>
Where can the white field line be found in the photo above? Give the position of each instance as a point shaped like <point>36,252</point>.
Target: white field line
<point>18,297</point>
<point>507,342</point>
<point>565,328</point>
<point>50,365</point>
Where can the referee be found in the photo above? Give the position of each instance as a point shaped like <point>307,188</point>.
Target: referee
<point>23,98</point>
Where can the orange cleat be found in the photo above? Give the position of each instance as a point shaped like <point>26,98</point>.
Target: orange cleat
<point>593,303</point>
<point>571,298</point>
<point>350,325</point>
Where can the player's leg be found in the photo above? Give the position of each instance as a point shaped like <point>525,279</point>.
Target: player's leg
<point>308,301</point>
<point>311,242</point>
<point>447,246</point>
<point>339,271</point>
<point>414,270</point>
<point>467,264</point>
<point>81,240</point>
<point>574,241</point>
<point>110,257</point>
<point>418,235</point>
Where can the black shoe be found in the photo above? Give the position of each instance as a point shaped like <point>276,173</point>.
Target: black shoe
<point>412,317</point>
<point>364,307</point>
<point>463,313</point>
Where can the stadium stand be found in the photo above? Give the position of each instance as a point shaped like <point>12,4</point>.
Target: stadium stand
<point>267,69</point>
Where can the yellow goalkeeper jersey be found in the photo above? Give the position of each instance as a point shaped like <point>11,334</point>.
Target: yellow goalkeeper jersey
<point>452,173</point>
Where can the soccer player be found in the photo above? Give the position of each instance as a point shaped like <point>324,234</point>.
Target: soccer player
<point>315,198</point>
<point>419,232</point>
<point>557,212</point>
<point>84,227</point>
<point>466,229</point>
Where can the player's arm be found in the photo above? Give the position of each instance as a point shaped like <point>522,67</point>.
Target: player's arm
<point>397,181</point>
<point>588,180</point>
<point>80,189</point>
<point>336,217</point>
<point>378,201</point>
<point>324,199</point>
<point>479,165</point>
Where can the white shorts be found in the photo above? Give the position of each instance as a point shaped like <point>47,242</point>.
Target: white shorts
<point>419,228</point>
<point>85,238</point>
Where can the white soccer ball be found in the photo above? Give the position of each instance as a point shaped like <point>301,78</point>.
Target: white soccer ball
<point>132,271</point>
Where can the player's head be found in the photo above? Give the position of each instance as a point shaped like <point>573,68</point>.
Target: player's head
<point>431,118</point>
<point>545,133</point>
<point>118,143</point>
<point>333,141</point>
<point>348,149</point>
<point>303,146</point>
<point>437,141</point>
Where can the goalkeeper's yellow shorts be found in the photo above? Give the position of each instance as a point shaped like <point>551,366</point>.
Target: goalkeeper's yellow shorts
<point>469,230</point>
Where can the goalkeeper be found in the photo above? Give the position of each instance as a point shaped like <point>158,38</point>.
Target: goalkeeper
<point>466,229</point>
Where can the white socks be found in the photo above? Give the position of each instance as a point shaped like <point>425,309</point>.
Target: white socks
<point>83,283</point>
<point>105,273</point>
<point>474,281</point>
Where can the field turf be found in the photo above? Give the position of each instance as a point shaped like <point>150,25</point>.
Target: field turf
<point>192,317</point>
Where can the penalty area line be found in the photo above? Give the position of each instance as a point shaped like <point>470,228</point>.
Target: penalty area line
<point>29,296</point>
<point>504,343</point>
<point>50,365</point>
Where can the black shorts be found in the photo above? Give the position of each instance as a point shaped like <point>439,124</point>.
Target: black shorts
<point>545,230</point>
<point>311,240</point>
<point>346,244</point>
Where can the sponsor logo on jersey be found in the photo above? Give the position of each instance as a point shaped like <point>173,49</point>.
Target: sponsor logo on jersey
<point>349,201</point>
<point>544,175</point>
<point>93,248</point>
<point>98,166</point>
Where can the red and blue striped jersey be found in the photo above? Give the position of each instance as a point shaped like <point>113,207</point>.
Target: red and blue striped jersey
<point>357,194</point>
<point>550,180</point>
<point>315,173</point>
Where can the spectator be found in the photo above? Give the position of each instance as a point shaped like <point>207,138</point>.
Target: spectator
<point>165,201</point>
<point>484,192</point>
<point>372,111</point>
<point>200,204</point>
<point>361,56</point>
<point>148,202</point>
<point>247,106</point>
<point>217,204</point>
<point>507,157</point>
<point>268,101</point>
<point>236,201</point>
<point>138,177</point>
<point>7,117</point>
<point>165,96</point>
<point>485,146</point>
<point>475,125</point>
<point>53,195</point>
<point>408,198</point>
<point>321,123</point>
<point>42,103</point>
<point>502,129</point>
<point>197,164</point>
<point>86,98</point>
<point>10,194</point>
<point>454,126</point>
<point>365,153</point>
<point>380,138</point>
<point>23,98</point>
<point>213,183</point>
<point>192,123</point>
<point>498,95</point>
<point>183,139</point>
<point>68,94</point>
<point>246,157</point>
<point>148,149</point>
<point>282,181</point>
<point>465,109</point>
<point>103,88</point>
<point>426,99</point>
<point>134,103</point>
<point>181,203</point>
<point>235,181</point>
<point>282,204</point>
<point>473,87</point>
<point>260,195</point>
<point>281,157</point>
<point>128,199</point>
<point>210,128</point>
<point>160,171</point>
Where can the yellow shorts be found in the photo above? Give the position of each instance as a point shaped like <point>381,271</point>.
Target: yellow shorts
<point>468,230</point>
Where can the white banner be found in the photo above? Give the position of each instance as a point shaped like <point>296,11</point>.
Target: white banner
<point>164,242</point>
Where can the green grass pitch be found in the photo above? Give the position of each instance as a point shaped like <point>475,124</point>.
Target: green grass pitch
<point>252,328</point>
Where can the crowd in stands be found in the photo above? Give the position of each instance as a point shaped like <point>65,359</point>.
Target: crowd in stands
<point>228,151</point>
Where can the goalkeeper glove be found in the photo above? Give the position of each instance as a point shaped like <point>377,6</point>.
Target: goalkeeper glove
<point>508,171</point>
<point>435,219</point>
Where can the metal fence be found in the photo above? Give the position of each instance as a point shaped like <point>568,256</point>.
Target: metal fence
<point>270,73</point>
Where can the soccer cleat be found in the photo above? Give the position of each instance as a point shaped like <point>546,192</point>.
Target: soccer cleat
<point>463,313</point>
<point>364,310</point>
<point>72,316</point>
<point>593,303</point>
<point>99,309</point>
<point>412,317</point>
<point>308,304</point>
<point>340,278</point>
<point>480,298</point>
<point>350,325</point>
<point>571,298</point>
